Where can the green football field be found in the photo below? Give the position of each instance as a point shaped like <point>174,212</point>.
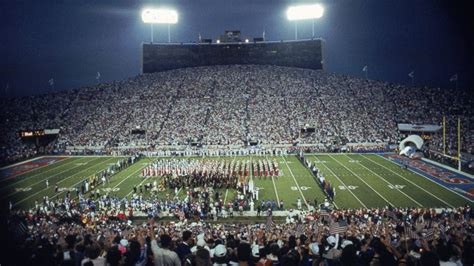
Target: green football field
<point>366,180</point>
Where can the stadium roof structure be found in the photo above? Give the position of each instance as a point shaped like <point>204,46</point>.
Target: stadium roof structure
<point>418,128</point>
<point>226,43</point>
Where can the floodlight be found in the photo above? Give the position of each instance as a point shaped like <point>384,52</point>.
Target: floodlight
<point>218,41</point>
<point>246,40</point>
<point>159,16</point>
<point>302,12</point>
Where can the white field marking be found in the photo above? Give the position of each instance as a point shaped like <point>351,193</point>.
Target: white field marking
<point>225,197</point>
<point>347,187</point>
<point>319,161</point>
<point>23,189</point>
<point>133,173</point>
<point>302,188</point>
<point>396,186</point>
<point>390,184</point>
<point>274,186</point>
<point>48,177</point>
<point>26,178</point>
<point>353,161</point>
<point>227,190</point>
<point>62,189</point>
<point>356,175</point>
<point>411,181</point>
<point>83,180</point>
<point>61,182</point>
<point>301,192</point>
<point>139,184</point>
<point>108,189</point>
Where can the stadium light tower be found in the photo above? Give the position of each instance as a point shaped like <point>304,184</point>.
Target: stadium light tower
<point>304,12</point>
<point>160,16</point>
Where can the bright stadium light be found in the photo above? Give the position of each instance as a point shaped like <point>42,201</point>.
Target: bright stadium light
<point>159,16</point>
<point>246,40</point>
<point>303,12</point>
<point>218,41</point>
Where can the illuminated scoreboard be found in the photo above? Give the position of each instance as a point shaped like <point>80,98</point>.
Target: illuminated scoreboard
<point>37,133</point>
<point>31,133</point>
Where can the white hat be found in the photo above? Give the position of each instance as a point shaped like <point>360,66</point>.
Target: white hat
<point>200,236</point>
<point>280,243</point>
<point>346,243</point>
<point>256,251</point>
<point>201,242</point>
<point>331,240</point>
<point>314,247</point>
<point>124,242</point>
<point>220,251</point>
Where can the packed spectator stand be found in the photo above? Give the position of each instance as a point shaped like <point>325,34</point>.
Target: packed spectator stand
<point>233,105</point>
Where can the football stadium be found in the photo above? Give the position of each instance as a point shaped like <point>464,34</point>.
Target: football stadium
<point>238,150</point>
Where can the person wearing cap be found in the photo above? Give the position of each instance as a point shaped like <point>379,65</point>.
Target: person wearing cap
<point>123,246</point>
<point>314,252</point>
<point>220,257</point>
<point>331,250</point>
<point>255,258</point>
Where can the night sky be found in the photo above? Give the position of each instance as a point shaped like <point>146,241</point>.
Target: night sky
<point>71,40</point>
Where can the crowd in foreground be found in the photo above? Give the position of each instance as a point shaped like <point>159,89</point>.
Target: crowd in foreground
<point>387,236</point>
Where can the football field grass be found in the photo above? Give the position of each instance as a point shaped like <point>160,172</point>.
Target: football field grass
<point>361,180</point>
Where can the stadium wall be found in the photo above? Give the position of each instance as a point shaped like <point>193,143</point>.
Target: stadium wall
<point>301,54</point>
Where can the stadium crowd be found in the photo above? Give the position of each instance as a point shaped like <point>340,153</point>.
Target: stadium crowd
<point>83,234</point>
<point>232,105</point>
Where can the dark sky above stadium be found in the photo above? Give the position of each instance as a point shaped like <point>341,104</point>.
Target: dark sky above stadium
<point>72,40</point>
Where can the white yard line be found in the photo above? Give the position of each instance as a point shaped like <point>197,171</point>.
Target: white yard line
<point>350,191</point>
<point>413,182</point>
<point>143,181</point>
<point>276,191</point>
<point>296,182</point>
<point>225,197</point>
<point>274,186</point>
<point>48,177</point>
<point>103,187</point>
<point>361,179</point>
<point>133,173</point>
<point>61,182</point>
<point>399,190</point>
